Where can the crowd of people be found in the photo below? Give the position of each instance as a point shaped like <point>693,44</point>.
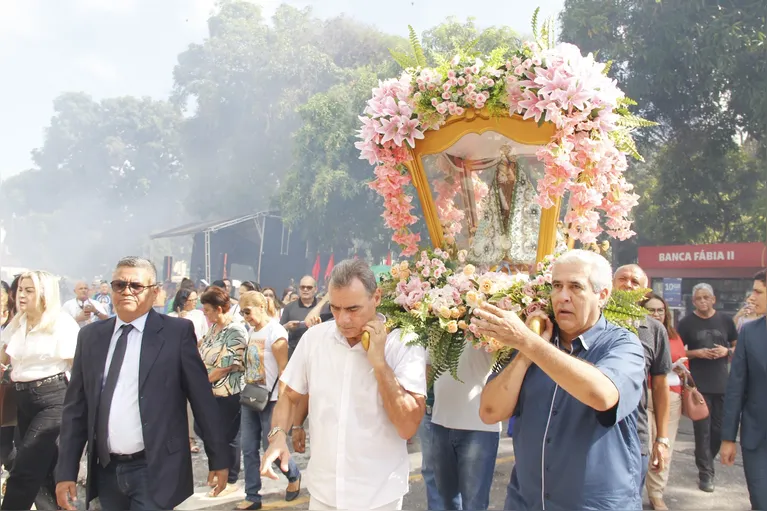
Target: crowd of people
<point>133,372</point>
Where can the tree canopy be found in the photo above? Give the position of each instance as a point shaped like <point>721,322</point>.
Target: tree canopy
<point>264,112</point>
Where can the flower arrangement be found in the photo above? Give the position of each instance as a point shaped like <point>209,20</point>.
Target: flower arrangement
<point>433,296</point>
<point>541,81</point>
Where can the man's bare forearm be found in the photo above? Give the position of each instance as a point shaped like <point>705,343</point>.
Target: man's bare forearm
<point>300,411</point>
<point>660,403</point>
<point>583,381</point>
<point>285,411</point>
<point>404,409</point>
<point>499,397</point>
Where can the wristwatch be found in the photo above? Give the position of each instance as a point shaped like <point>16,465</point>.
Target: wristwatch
<point>663,441</point>
<point>274,431</point>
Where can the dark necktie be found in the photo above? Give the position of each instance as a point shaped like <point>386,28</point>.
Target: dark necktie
<point>105,403</point>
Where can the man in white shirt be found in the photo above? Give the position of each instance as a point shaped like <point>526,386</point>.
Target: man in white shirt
<point>463,448</point>
<point>364,405</point>
<point>83,308</point>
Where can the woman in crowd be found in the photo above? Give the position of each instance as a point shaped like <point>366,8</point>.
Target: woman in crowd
<point>185,306</point>
<point>265,360</point>
<point>39,343</point>
<point>656,481</point>
<point>222,350</point>
<point>271,294</point>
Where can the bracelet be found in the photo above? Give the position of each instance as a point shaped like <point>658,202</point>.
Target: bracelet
<point>296,427</point>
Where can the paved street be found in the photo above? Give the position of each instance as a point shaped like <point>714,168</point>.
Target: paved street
<point>682,491</point>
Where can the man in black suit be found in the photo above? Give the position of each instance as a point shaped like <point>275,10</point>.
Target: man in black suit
<point>127,399</point>
<point>745,404</point>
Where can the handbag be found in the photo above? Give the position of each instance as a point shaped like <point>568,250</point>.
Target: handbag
<point>7,400</point>
<point>694,406</point>
<point>256,397</point>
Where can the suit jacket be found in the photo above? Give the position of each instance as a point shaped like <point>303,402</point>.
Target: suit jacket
<point>170,373</point>
<point>745,403</point>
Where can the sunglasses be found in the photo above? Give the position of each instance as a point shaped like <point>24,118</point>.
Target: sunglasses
<point>306,288</point>
<point>118,286</point>
<point>245,312</point>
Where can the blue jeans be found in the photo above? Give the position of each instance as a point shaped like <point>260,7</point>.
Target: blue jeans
<point>433,499</point>
<point>463,462</point>
<point>253,430</point>
<point>125,486</point>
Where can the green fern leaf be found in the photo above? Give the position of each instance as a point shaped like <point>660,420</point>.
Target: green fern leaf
<point>535,23</point>
<point>403,59</point>
<point>606,70</point>
<point>420,57</point>
<point>626,101</point>
<point>634,121</point>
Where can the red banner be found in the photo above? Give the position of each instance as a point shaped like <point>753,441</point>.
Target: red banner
<point>724,255</point>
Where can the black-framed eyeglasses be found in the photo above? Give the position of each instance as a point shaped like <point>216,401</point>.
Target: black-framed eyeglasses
<point>656,311</point>
<point>136,288</point>
<point>245,312</point>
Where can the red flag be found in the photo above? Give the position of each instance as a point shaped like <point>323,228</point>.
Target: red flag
<point>388,258</point>
<point>316,268</point>
<point>331,264</point>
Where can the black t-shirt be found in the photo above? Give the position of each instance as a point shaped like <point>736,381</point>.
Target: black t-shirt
<point>698,333</point>
<point>297,311</point>
<point>657,354</point>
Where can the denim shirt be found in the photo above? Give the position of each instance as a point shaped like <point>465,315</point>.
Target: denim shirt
<point>568,455</point>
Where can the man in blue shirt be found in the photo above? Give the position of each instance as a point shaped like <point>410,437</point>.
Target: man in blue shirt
<point>574,393</point>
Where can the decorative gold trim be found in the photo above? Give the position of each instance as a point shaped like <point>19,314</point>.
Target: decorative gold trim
<point>526,132</point>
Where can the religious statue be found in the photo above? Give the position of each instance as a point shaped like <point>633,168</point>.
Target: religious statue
<point>508,229</point>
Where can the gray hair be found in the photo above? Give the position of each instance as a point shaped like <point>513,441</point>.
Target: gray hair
<point>600,271</point>
<point>138,262</point>
<point>702,287</point>
<point>349,269</point>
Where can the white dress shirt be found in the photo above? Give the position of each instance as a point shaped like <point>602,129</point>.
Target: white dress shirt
<point>37,354</point>
<point>125,433</point>
<point>358,459</point>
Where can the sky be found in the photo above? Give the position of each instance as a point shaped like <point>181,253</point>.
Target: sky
<point>112,48</point>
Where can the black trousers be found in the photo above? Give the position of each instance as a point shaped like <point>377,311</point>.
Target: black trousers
<point>708,436</point>
<point>229,410</point>
<point>39,422</point>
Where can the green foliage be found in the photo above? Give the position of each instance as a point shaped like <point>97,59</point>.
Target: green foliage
<point>420,57</point>
<point>623,309</point>
<point>698,69</point>
<point>105,166</point>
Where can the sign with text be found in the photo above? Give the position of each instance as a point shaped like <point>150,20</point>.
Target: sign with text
<point>672,292</point>
<point>723,255</point>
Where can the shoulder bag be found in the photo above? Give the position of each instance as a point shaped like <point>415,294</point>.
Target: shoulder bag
<point>694,405</point>
<point>256,397</point>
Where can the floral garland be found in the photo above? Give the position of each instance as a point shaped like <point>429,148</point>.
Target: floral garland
<point>586,157</point>
<point>434,295</point>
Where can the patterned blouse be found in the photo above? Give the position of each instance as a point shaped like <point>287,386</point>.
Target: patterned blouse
<point>223,349</point>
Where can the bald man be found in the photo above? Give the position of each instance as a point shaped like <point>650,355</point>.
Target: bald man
<point>83,308</point>
<point>294,314</point>
<point>654,339</point>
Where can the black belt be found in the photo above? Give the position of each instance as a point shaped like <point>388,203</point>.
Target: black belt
<point>125,458</point>
<point>24,385</point>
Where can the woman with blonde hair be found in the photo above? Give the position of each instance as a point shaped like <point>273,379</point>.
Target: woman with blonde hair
<point>39,343</point>
<point>265,360</point>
